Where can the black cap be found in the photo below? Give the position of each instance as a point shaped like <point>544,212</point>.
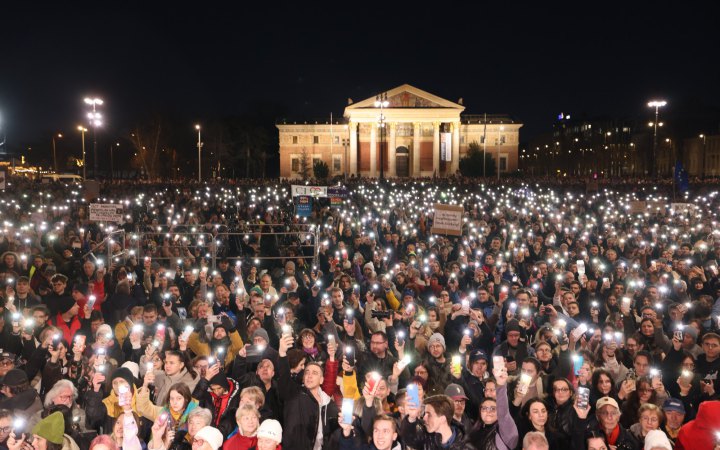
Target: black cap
<point>7,355</point>
<point>14,377</point>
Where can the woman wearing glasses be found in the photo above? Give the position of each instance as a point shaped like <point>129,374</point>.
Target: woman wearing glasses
<point>496,428</point>
<point>651,417</point>
<point>562,414</point>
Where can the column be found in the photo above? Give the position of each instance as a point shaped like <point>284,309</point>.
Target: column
<point>416,150</point>
<point>436,148</point>
<point>352,126</point>
<point>455,148</point>
<point>373,150</point>
<point>392,169</point>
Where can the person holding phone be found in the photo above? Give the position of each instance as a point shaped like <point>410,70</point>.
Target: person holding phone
<point>496,428</point>
<point>310,414</point>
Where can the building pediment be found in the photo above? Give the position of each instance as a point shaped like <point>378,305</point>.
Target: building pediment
<point>407,96</point>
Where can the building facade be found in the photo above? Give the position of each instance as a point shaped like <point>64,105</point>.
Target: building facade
<point>417,134</point>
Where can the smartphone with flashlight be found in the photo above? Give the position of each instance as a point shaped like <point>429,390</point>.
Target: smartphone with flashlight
<point>350,355</point>
<point>583,397</point>
<point>348,405</point>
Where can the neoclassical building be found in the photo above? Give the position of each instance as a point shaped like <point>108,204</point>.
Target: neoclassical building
<point>417,134</point>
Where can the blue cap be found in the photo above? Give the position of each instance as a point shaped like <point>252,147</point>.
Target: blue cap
<point>673,404</point>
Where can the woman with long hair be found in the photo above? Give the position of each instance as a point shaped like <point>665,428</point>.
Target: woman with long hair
<point>178,406</point>
<point>534,417</point>
<point>496,429</point>
<point>603,385</point>
<point>643,393</point>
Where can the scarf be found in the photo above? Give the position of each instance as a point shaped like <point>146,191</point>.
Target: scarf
<point>220,402</point>
<point>612,439</point>
<point>311,351</point>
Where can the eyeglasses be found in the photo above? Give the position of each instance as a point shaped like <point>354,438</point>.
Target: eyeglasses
<point>487,409</point>
<point>5,429</point>
<point>651,419</point>
<point>562,389</point>
<point>612,413</point>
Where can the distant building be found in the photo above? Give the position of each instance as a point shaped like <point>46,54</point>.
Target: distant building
<point>421,135</point>
<point>701,156</point>
<point>589,146</point>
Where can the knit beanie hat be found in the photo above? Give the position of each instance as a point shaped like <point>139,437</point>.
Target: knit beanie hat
<point>270,429</point>
<point>436,338</point>
<point>657,439</point>
<point>221,380</point>
<point>261,333</point>
<point>125,374</point>
<point>512,325</point>
<point>51,428</point>
<point>210,435</point>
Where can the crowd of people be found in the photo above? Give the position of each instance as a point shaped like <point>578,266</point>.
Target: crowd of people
<point>214,316</point>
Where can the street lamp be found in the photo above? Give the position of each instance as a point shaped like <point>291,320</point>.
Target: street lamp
<point>82,130</point>
<point>95,120</point>
<point>199,146</point>
<point>381,102</point>
<point>657,104</point>
<point>59,136</point>
<point>112,166</point>
<point>704,151</point>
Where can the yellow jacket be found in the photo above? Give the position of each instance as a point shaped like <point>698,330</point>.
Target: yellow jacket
<point>203,348</point>
<point>350,386</point>
<point>122,330</point>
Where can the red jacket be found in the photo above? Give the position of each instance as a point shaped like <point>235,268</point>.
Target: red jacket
<point>68,332</point>
<point>699,434</point>
<point>239,442</point>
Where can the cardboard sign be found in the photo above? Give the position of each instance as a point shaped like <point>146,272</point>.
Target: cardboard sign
<point>682,208</point>
<point>637,207</point>
<point>448,219</point>
<point>104,212</point>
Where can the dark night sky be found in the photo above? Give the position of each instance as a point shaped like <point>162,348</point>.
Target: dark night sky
<point>305,59</point>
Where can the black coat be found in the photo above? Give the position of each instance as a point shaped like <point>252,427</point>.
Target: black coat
<point>301,413</point>
<point>415,435</point>
<point>222,420</point>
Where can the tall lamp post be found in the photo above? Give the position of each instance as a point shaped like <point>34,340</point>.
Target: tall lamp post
<point>82,130</point>
<point>199,146</point>
<point>95,120</point>
<point>381,102</point>
<point>705,167</point>
<point>112,166</point>
<point>59,136</point>
<point>657,104</point>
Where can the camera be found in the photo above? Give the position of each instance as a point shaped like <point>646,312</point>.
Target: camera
<point>381,314</point>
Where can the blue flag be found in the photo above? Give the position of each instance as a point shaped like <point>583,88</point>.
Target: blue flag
<point>681,177</point>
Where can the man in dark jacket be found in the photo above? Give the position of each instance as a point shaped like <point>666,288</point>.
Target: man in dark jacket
<point>20,398</point>
<point>437,430</point>
<point>221,395</point>
<point>310,415</point>
<point>608,415</point>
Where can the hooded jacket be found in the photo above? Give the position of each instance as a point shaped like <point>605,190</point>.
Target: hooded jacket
<point>416,436</point>
<point>303,414</point>
<point>164,381</point>
<point>699,434</point>
<point>223,410</point>
<point>26,403</point>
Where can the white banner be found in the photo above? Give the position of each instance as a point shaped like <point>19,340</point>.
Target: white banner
<point>313,191</point>
<point>106,212</point>
<point>446,146</point>
<point>448,219</point>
